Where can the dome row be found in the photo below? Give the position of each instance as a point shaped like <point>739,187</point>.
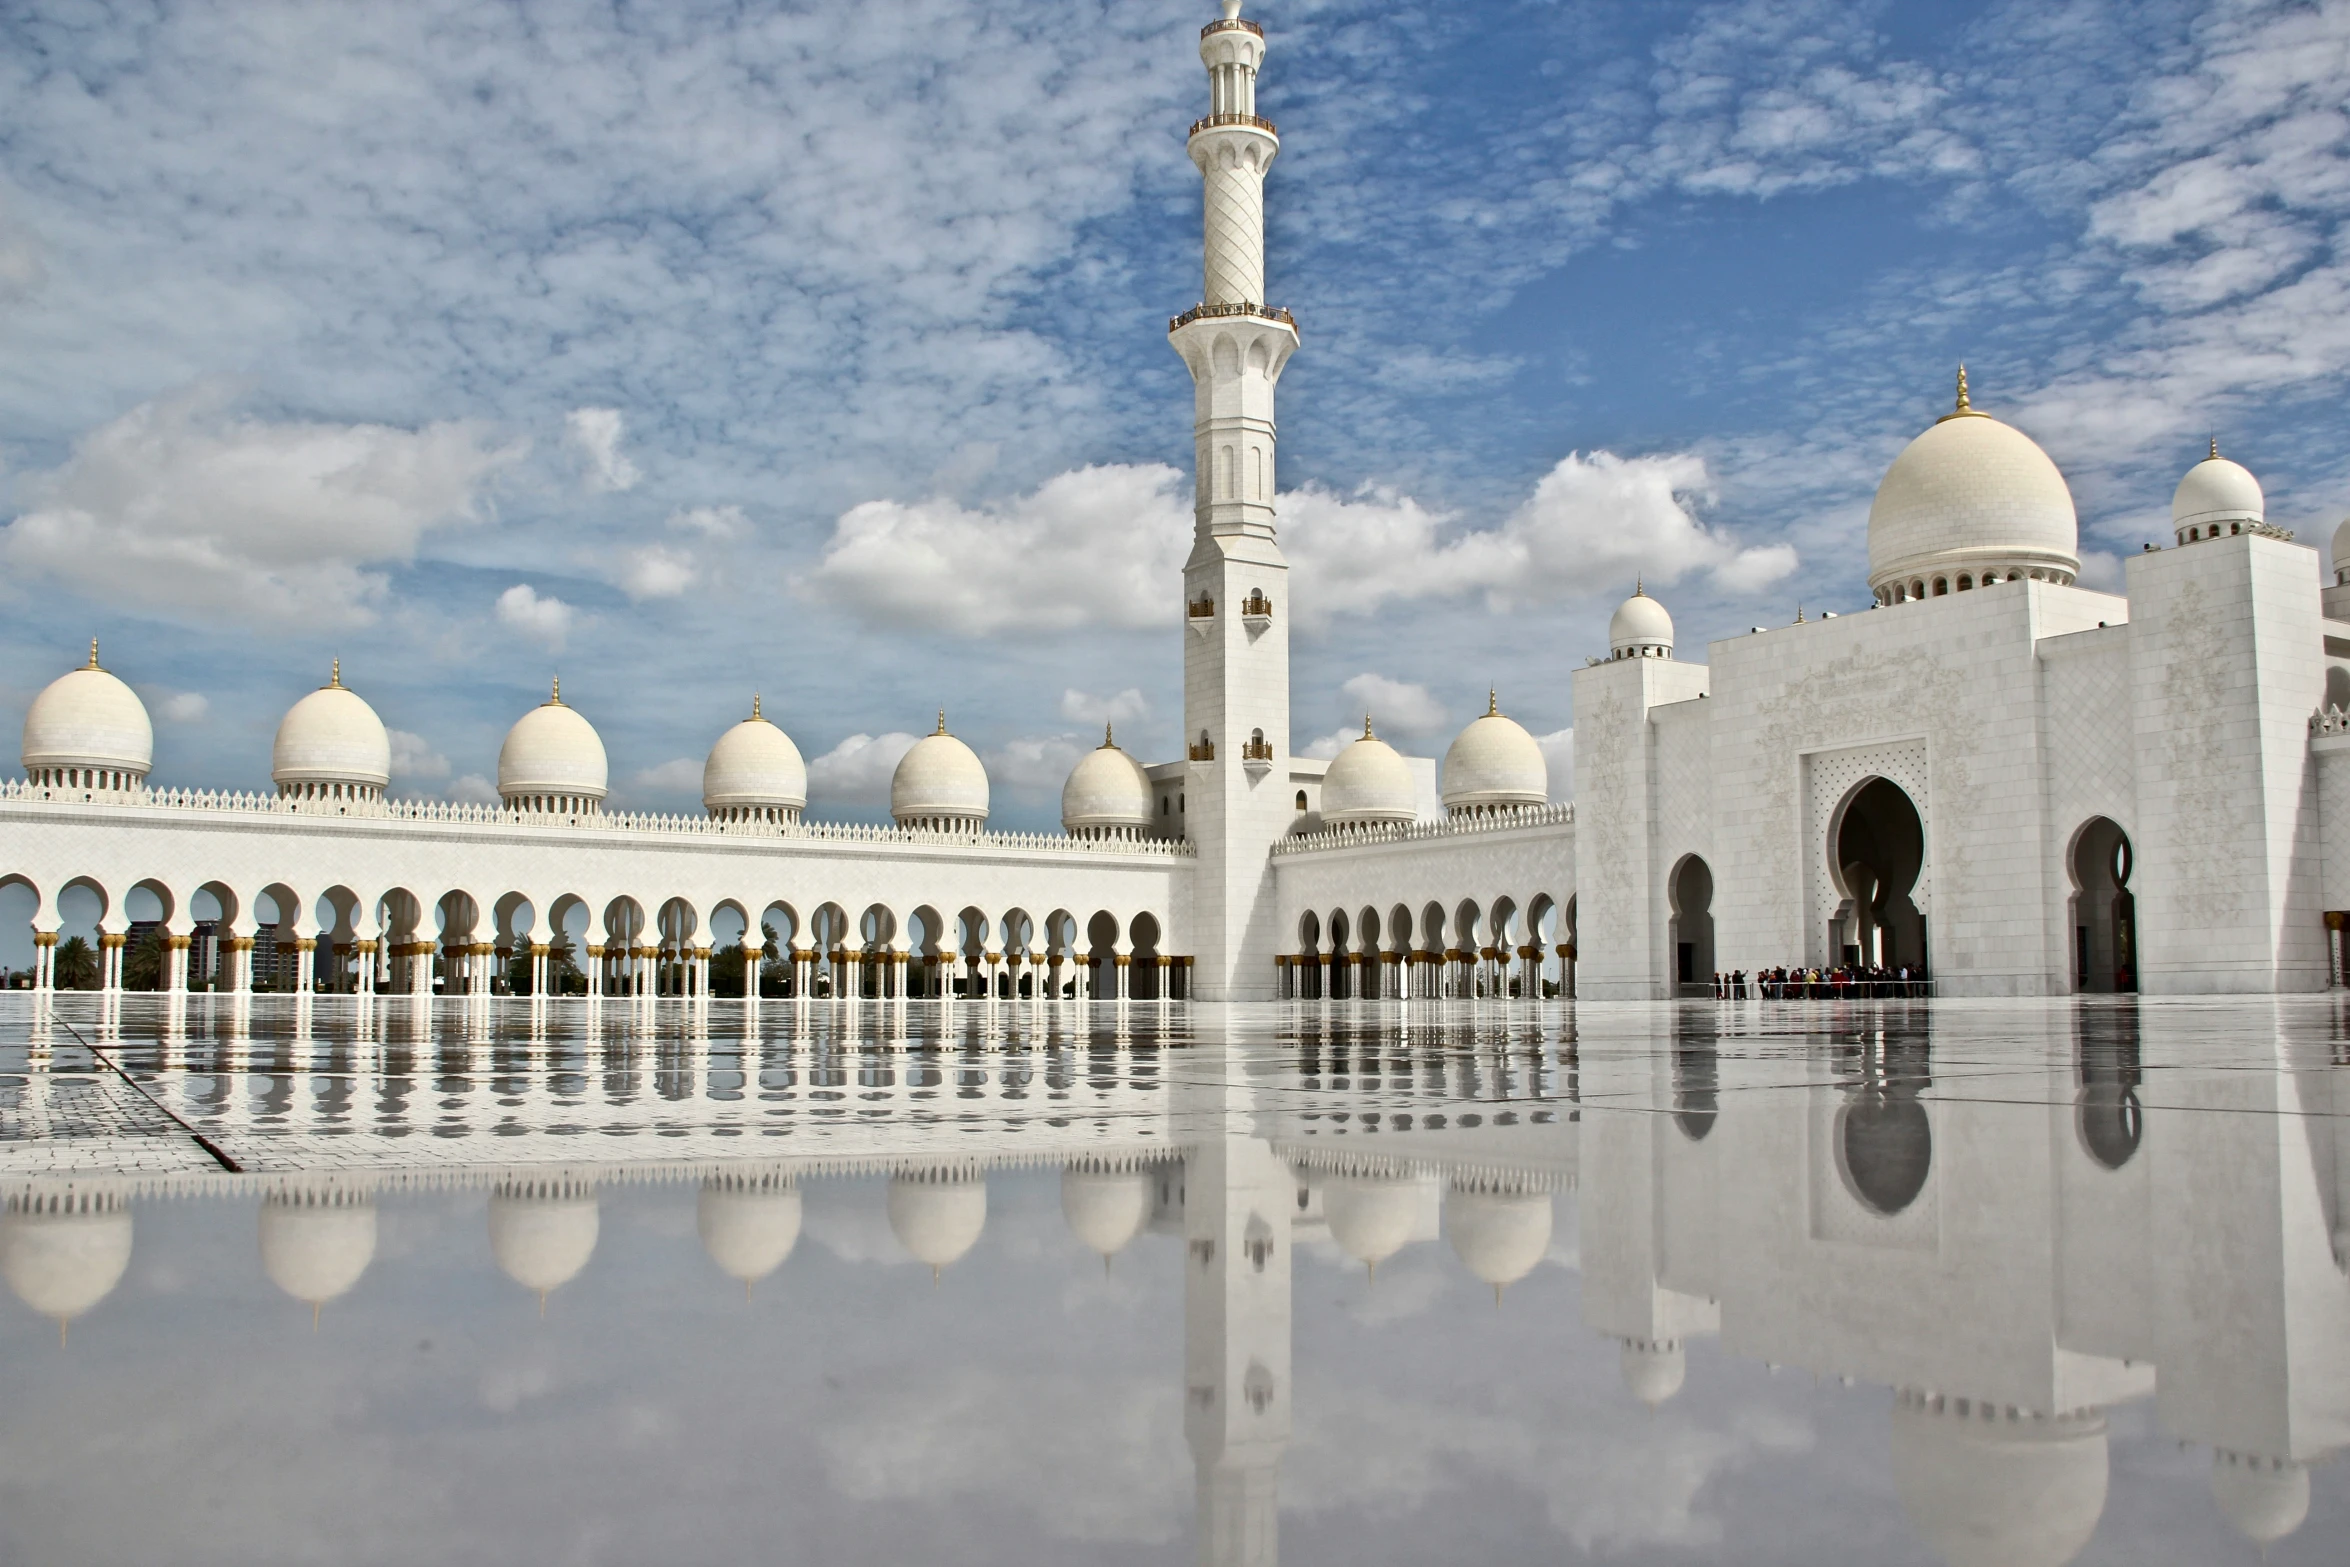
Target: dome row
<point>1493,765</point>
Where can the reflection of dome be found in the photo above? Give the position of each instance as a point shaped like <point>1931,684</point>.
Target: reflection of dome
<point>2216,497</point>
<point>1886,1145</point>
<point>88,730</point>
<point>939,784</point>
<point>754,774</point>
<point>63,1255</point>
<point>937,1217</point>
<point>2265,1498</point>
<point>1968,497</point>
<point>1370,1216</point>
<point>1368,782</point>
<point>315,1244</point>
<point>1499,1235</point>
<point>1106,1209</point>
<point>1985,1487</point>
<point>1494,765</point>
<point>1654,1369</point>
<point>748,1225</point>
<point>543,1231</point>
<point>330,745</point>
<point>1640,628</point>
<point>552,760</point>
<point>1107,795</point>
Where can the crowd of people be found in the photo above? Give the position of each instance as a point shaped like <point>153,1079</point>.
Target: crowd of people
<point>1846,981</point>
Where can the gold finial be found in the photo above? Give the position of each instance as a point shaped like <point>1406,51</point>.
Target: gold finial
<point>555,699</point>
<point>2214,448</point>
<point>334,677</point>
<point>754,707</point>
<point>1963,405</point>
<point>93,652</point>
<point>1367,728</point>
<point>1107,742</point>
<point>1492,702</point>
<point>1639,587</point>
<point>942,721</point>
<point>1799,614</point>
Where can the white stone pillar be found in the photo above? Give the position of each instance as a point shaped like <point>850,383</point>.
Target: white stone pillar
<point>44,962</point>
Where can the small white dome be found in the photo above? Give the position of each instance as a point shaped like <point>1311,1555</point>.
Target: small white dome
<point>88,719</point>
<point>1368,782</point>
<point>1984,1490</point>
<point>1494,765</point>
<point>937,1218</point>
<point>1370,1216</point>
<point>1971,494</point>
<point>315,1245</point>
<point>754,767</point>
<point>543,1232</point>
<point>1106,1209</point>
<point>331,736</point>
<point>2214,493</point>
<point>1654,1369</point>
<point>1640,628</point>
<point>1107,791</point>
<point>1501,1236</point>
<point>61,1259</point>
<point>748,1226</point>
<point>552,753</point>
<point>939,781</point>
<point>2265,1498</point>
<point>2341,556</point>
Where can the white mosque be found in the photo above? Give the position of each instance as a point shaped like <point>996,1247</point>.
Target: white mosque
<point>1994,777</point>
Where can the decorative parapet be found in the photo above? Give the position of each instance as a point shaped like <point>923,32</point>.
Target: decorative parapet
<point>2329,721</point>
<point>1367,833</point>
<point>1255,122</point>
<point>1241,308</point>
<point>466,814</point>
<point>1231,24</point>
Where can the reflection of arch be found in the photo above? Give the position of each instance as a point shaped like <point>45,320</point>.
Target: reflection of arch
<point>2104,913</point>
<point>1885,1148</point>
<point>1691,896</point>
<point>1877,849</point>
<point>2106,1113</point>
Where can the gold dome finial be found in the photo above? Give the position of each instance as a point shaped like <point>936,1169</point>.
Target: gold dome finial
<point>334,679</point>
<point>755,707</point>
<point>1367,727</point>
<point>2214,457</point>
<point>1799,614</point>
<point>1108,743</point>
<point>1963,405</point>
<point>555,697</point>
<point>93,653</point>
<point>942,721</point>
<point>1639,586</point>
<point>1492,702</point>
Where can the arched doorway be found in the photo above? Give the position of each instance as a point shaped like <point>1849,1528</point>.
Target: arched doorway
<point>1880,847</point>
<point>2105,920</point>
<point>1692,892</point>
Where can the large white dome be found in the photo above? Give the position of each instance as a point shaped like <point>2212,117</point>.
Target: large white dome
<point>1970,496</point>
<point>1106,1209</point>
<point>1502,1236</point>
<point>63,1258</point>
<point>939,783</point>
<point>1494,765</point>
<point>1107,793</point>
<point>754,769</point>
<point>552,755</point>
<point>88,722</point>
<point>316,1244</point>
<point>1640,628</point>
<point>748,1226</point>
<point>937,1218</point>
<point>1985,1488</point>
<point>330,740</point>
<point>1368,782</point>
<point>542,1232</point>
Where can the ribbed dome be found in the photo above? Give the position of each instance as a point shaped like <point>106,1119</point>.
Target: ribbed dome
<point>1654,1369</point>
<point>2341,556</point>
<point>331,740</point>
<point>2214,494</point>
<point>1969,496</point>
<point>61,1260</point>
<point>1370,1216</point>
<point>1984,1490</point>
<point>1106,1209</point>
<point>2265,1498</point>
<point>1501,1236</point>
<point>543,1232</point>
<point>748,1227</point>
<point>1640,628</point>
<point>314,1246</point>
<point>1368,782</point>
<point>754,769</point>
<point>552,760</point>
<point>1107,794</point>
<point>1494,765</point>
<point>88,722</point>
<point>939,783</point>
<point>937,1218</point>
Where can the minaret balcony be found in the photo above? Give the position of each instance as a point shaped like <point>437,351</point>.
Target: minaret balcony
<point>1237,308</point>
<point>1254,122</point>
<point>1231,24</point>
<point>1256,613</point>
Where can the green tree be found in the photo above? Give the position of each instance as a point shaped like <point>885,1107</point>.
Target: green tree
<point>142,965</point>
<point>77,965</point>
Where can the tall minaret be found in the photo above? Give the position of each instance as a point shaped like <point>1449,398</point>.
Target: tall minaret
<point>1236,584</point>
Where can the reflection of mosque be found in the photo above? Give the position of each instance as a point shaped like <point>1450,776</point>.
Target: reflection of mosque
<point>2010,1249</point>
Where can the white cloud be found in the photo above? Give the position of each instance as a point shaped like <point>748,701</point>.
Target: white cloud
<point>678,775</point>
<point>1558,754</point>
<point>1084,707</point>
<point>1403,706</point>
<point>1324,747</point>
<point>547,619</point>
<point>657,572</point>
<point>711,522</point>
<point>595,434</point>
<point>184,508</point>
<point>857,771</point>
<point>474,789</point>
<point>414,757</point>
<point>1099,546</point>
<point>21,270</point>
<point>1033,768</point>
<point>184,707</point>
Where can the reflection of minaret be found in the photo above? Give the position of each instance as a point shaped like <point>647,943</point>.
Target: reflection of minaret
<point>1237,1199</point>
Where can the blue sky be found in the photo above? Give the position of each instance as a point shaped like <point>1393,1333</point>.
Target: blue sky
<point>649,345</point>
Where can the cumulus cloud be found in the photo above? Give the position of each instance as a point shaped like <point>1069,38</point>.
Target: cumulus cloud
<point>656,572</point>
<point>1100,546</point>
<point>545,619</point>
<point>1558,754</point>
<point>21,270</point>
<point>678,775</point>
<point>711,522</point>
<point>1085,708</point>
<point>183,707</point>
<point>1033,768</point>
<point>474,789</point>
<point>857,771</point>
<point>184,507</point>
<point>1405,706</point>
<point>414,757</point>
<point>595,435</point>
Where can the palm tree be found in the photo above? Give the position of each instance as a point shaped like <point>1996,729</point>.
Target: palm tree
<point>142,966</point>
<point>77,965</point>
